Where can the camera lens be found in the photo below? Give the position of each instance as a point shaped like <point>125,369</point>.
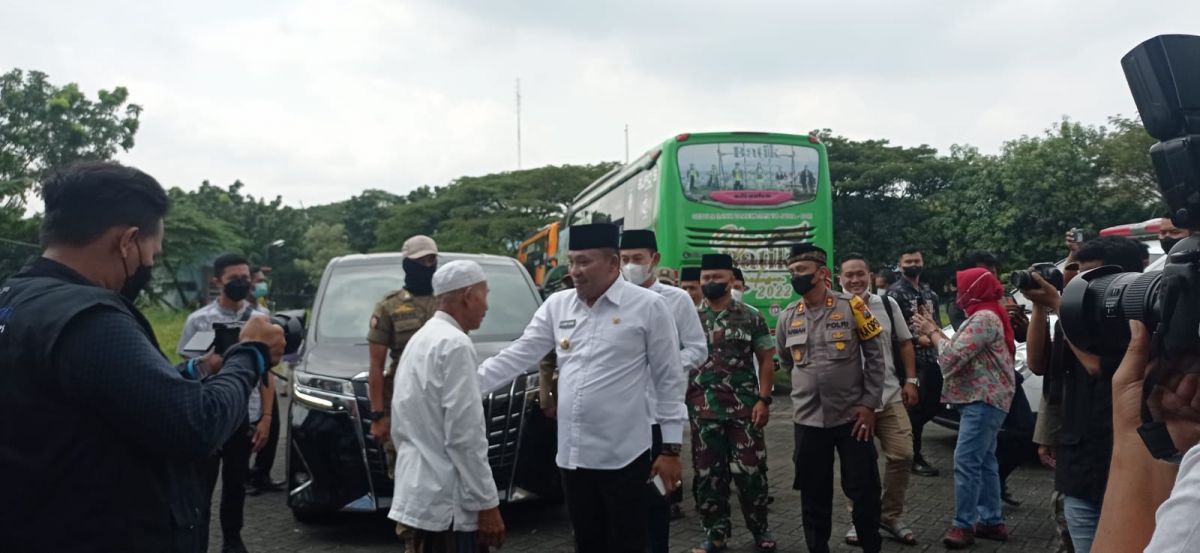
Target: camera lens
<point>1097,305</point>
<point>1021,280</point>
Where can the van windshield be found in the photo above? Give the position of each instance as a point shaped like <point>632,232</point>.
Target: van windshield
<point>351,294</point>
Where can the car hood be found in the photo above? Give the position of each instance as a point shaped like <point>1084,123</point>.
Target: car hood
<point>348,360</point>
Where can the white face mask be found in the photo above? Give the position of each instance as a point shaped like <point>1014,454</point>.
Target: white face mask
<point>636,274</point>
<point>737,294</point>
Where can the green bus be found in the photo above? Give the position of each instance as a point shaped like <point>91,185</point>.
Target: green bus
<point>748,194</point>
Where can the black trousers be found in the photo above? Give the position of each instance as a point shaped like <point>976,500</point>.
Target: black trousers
<point>1012,444</point>
<point>233,463</point>
<point>814,478</point>
<point>608,507</point>
<point>658,507</point>
<point>929,404</point>
<point>264,460</point>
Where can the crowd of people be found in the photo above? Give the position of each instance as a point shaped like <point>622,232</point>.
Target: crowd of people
<point>126,447</point>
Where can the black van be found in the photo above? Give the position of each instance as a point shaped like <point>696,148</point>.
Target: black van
<point>333,463</point>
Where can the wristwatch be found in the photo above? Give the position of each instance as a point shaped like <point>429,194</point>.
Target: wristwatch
<point>913,381</point>
<point>376,415</point>
<point>671,450</point>
<point>766,399</point>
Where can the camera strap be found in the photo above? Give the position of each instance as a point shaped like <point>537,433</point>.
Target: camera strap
<point>1154,433</point>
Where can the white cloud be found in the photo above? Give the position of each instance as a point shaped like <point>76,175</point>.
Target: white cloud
<point>317,101</point>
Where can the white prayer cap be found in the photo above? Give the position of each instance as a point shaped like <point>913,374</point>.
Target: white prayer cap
<point>455,275</point>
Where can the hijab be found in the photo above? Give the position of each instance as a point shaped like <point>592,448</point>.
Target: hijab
<point>979,289</point>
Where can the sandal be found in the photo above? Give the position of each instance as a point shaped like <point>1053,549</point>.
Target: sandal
<point>765,542</point>
<point>852,536</point>
<point>900,532</point>
<point>707,546</point>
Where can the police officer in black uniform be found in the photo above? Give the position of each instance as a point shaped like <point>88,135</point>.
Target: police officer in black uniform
<point>101,434</point>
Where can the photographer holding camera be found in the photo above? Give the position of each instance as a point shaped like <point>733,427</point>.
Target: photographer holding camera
<point>1152,319</point>
<point>232,276</point>
<point>1079,432</point>
<point>102,435</point>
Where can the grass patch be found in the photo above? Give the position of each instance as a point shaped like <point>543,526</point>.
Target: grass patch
<point>168,327</point>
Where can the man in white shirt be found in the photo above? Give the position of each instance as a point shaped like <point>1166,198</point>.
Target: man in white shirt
<point>892,427</point>
<point>445,498</point>
<point>639,257</point>
<point>614,340</point>
<point>231,274</point>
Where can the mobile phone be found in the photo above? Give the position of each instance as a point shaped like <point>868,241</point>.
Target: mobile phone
<point>1077,235</point>
<point>658,484</point>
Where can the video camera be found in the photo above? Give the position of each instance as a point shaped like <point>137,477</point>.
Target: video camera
<point>225,335</point>
<point>1164,76</point>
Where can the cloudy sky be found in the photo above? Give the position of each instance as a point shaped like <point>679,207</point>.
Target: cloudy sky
<point>318,100</point>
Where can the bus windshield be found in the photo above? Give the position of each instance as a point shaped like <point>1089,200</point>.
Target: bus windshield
<point>747,173</point>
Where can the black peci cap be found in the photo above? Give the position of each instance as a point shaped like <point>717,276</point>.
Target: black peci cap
<point>808,252</point>
<point>737,274</point>
<point>716,261</point>
<point>689,274</point>
<point>594,236</point>
<point>638,239</point>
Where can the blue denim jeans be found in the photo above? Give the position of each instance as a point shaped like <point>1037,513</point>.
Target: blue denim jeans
<point>1082,518</point>
<point>976,471</point>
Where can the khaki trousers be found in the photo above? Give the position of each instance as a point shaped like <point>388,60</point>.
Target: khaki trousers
<point>894,432</point>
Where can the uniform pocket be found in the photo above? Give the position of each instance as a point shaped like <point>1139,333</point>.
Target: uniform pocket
<point>838,343</point>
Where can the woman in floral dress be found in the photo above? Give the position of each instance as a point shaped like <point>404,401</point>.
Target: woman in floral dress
<point>977,365</point>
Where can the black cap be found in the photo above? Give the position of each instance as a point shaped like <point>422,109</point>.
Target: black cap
<point>595,236</point>
<point>716,261</point>
<point>689,274</point>
<point>737,274</point>
<point>638,239</point>
<point>808,252</point>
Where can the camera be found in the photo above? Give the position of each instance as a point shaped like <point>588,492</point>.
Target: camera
<point>226,335</point>
<point>1163,78</point>
<point>1023,280</point>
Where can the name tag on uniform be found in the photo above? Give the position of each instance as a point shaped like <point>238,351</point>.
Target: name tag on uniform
<point>567,324</point>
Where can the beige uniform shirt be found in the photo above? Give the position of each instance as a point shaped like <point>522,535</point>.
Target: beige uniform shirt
<point>396,318</point>
<point>836,361</point>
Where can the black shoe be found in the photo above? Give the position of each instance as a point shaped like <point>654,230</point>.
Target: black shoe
<point>234,547</point>
<point>676,511</point>
<point>1008,499</point>
<point>258,486</point>
<point>921,468</point>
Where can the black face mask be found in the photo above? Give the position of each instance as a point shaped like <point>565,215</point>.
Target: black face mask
<point>1168,243</point>
<point>418,279</point>
<point>714,290</point>
<point>913,271</point>
<point>803,284</point>
<point>237,290</point>
<point>138,280</point>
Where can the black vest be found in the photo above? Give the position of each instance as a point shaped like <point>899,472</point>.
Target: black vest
<point>69,480</point>
<point>1085,440</point>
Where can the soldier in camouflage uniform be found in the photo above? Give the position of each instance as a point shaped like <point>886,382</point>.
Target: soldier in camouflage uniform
<point>729,404</point>
<point>395,319</point>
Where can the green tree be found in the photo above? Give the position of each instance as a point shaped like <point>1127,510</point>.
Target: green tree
<point>879,196</point>
<point>322,242</point>
<point>1020,203</point>
<point>43,127</point>
<point>487,214</point>
<point>360,215</point>
<point>193,238</point>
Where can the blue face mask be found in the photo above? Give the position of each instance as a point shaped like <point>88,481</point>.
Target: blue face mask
<point>260,289</point>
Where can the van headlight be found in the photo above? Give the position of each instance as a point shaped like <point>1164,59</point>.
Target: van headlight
<point>329,394</point>
<point>312,382</point>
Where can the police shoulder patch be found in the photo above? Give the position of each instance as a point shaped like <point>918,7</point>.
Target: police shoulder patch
<point>866,324</point>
